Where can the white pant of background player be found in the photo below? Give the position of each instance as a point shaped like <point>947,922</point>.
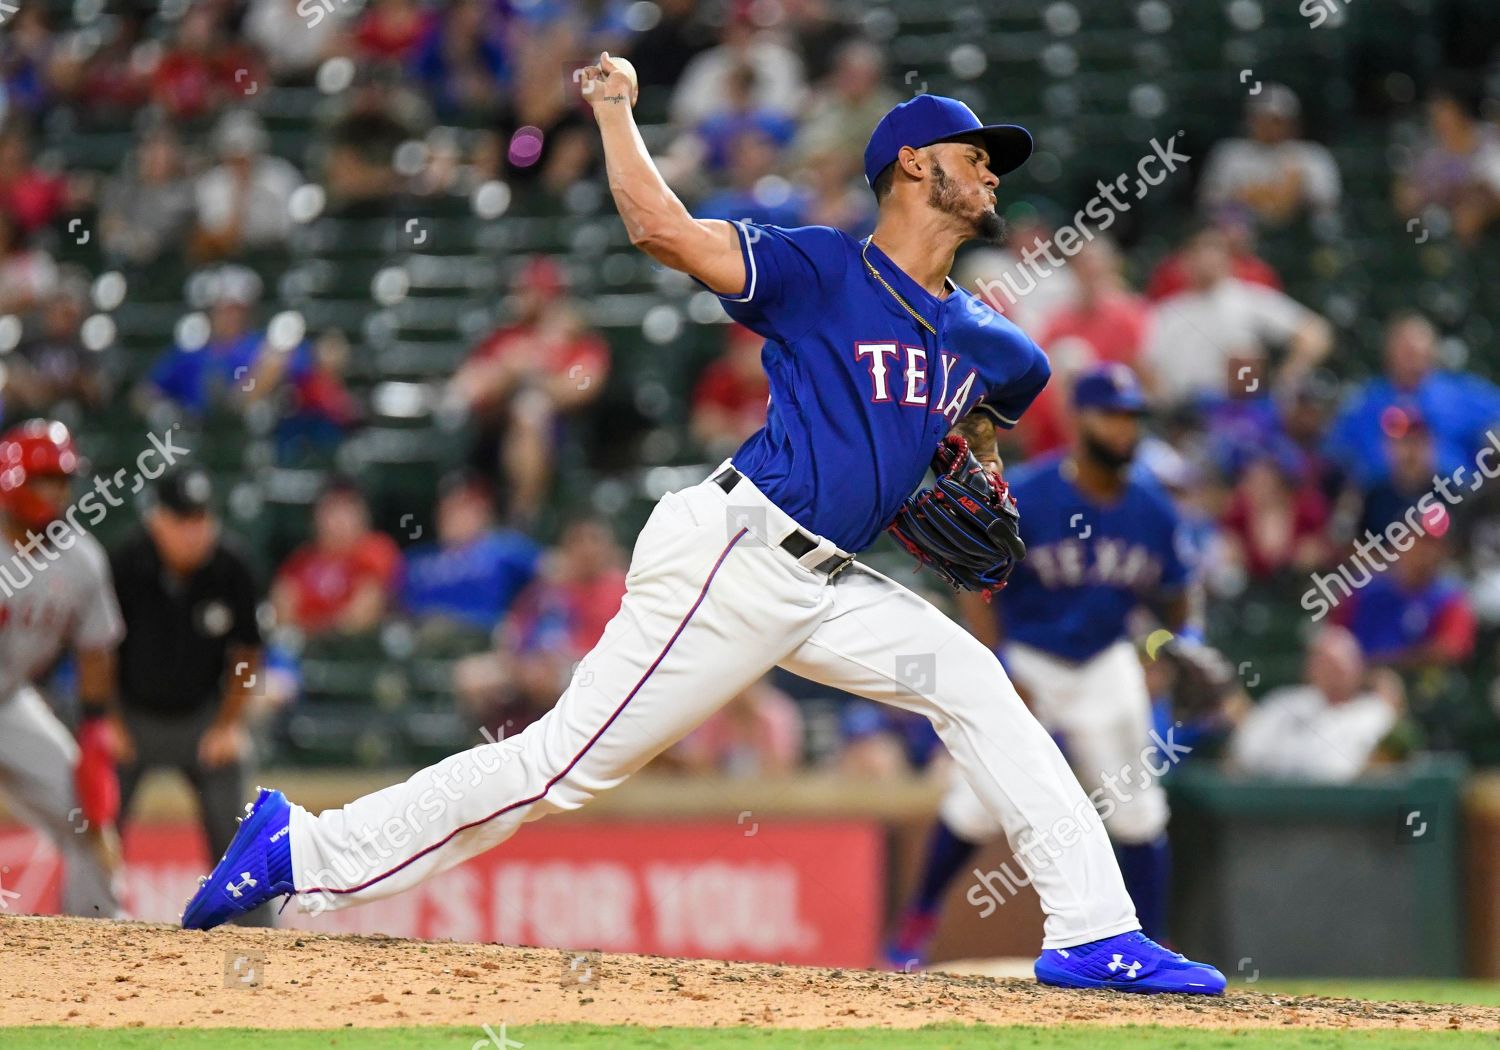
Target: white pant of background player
<point>710,606</point>
<point>37,758</point>
<point>1102,710</point>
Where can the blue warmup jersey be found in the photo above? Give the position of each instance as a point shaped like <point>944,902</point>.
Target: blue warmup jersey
<point>1087,565</point>
<point>861,393</point>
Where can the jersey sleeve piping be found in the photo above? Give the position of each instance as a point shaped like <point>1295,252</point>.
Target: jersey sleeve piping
<point>748,255</point>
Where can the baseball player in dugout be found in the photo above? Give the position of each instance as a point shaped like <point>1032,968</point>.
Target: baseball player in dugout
<point>55,597</point>
<point>191,655</point>
<point>873,354</point>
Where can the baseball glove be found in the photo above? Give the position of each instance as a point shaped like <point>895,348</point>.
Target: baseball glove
<point>966,527</point>
<point>1203,679</point>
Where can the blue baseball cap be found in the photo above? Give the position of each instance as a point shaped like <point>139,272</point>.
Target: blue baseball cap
<point>1111,388</point>
<point>926,119</point>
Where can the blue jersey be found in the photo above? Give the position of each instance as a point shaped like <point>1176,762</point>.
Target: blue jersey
<point>1087,565</point>
<point>861,392</point>
<point>476,583</point>
<point>194,377</point>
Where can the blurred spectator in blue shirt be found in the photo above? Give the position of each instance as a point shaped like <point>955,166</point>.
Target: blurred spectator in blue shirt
<point>1408,447</point>
<point>718,131</point>
<point>461,62</point>
<point>757,193</point>
<point>1456,406</point>
<point>475,571</point>
<point>1415,615</point>
<point>886,743</point>
<point>224,357</point>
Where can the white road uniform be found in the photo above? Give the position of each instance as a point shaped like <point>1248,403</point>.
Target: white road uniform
<point>53,599</point>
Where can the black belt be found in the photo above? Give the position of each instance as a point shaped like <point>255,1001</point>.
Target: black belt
<point>797,543</point>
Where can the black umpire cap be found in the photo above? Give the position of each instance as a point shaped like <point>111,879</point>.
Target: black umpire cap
<point>185,491</point>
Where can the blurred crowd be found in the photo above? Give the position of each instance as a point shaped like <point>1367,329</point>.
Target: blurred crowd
<point>1275,445</point>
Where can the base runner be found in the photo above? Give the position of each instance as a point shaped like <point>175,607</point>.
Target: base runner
<point>872,354</point>
<point>55,596</point>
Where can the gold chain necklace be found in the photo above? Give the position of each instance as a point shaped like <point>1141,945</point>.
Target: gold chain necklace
<point>894,294</point>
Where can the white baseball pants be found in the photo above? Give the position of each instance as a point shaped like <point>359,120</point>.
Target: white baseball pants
<point>712,603</point>
<point>1102,710</point>
<point>37,759</point>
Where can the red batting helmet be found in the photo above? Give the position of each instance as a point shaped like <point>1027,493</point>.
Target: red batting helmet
<point>38,448</point>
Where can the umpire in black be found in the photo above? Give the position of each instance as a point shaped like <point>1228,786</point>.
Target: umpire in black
<point>191,656</point>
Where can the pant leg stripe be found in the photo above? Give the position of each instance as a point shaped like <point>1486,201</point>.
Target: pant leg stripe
<point>576,758</point>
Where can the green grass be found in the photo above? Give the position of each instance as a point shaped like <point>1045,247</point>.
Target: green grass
<point>1471,993</point>
<point>544,1037</point>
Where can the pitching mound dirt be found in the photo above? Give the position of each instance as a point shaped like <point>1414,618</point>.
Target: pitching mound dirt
<point>73,971</point>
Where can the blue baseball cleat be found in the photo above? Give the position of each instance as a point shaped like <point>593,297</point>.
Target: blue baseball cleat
<point>257,866</point>
<point>1127,962</point>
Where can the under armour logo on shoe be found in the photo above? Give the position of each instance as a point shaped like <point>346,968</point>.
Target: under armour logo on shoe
<point>246,881</point>
<point>1117,963</point>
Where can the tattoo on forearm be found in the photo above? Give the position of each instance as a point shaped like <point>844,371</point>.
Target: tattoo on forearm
<point>614,98</point>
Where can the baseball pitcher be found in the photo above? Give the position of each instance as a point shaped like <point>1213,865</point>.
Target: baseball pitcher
<point>872,354</point>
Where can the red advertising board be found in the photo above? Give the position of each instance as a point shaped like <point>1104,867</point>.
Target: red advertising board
<point>798,892</point>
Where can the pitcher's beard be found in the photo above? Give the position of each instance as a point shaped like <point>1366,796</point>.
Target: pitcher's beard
<point>987,226</point>
<point>1107,456</point>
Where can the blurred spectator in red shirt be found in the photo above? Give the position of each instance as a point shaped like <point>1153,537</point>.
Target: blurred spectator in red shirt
<point>1049,420</point>
<point>756,734</point>
<point>1276,522</point>
<point>553,624</point>
<point>1110,317</point>
<point>1171,274</point>
<point>341,581</point>
<point>204,68</point>
<point>27,274</point>
<point>31,197</point>
<point>579,592</point>
<point>103,77</point>
<point>321,410</point>
<point>729,402</point>
<point>521,382</point>
<point>391,29</point>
